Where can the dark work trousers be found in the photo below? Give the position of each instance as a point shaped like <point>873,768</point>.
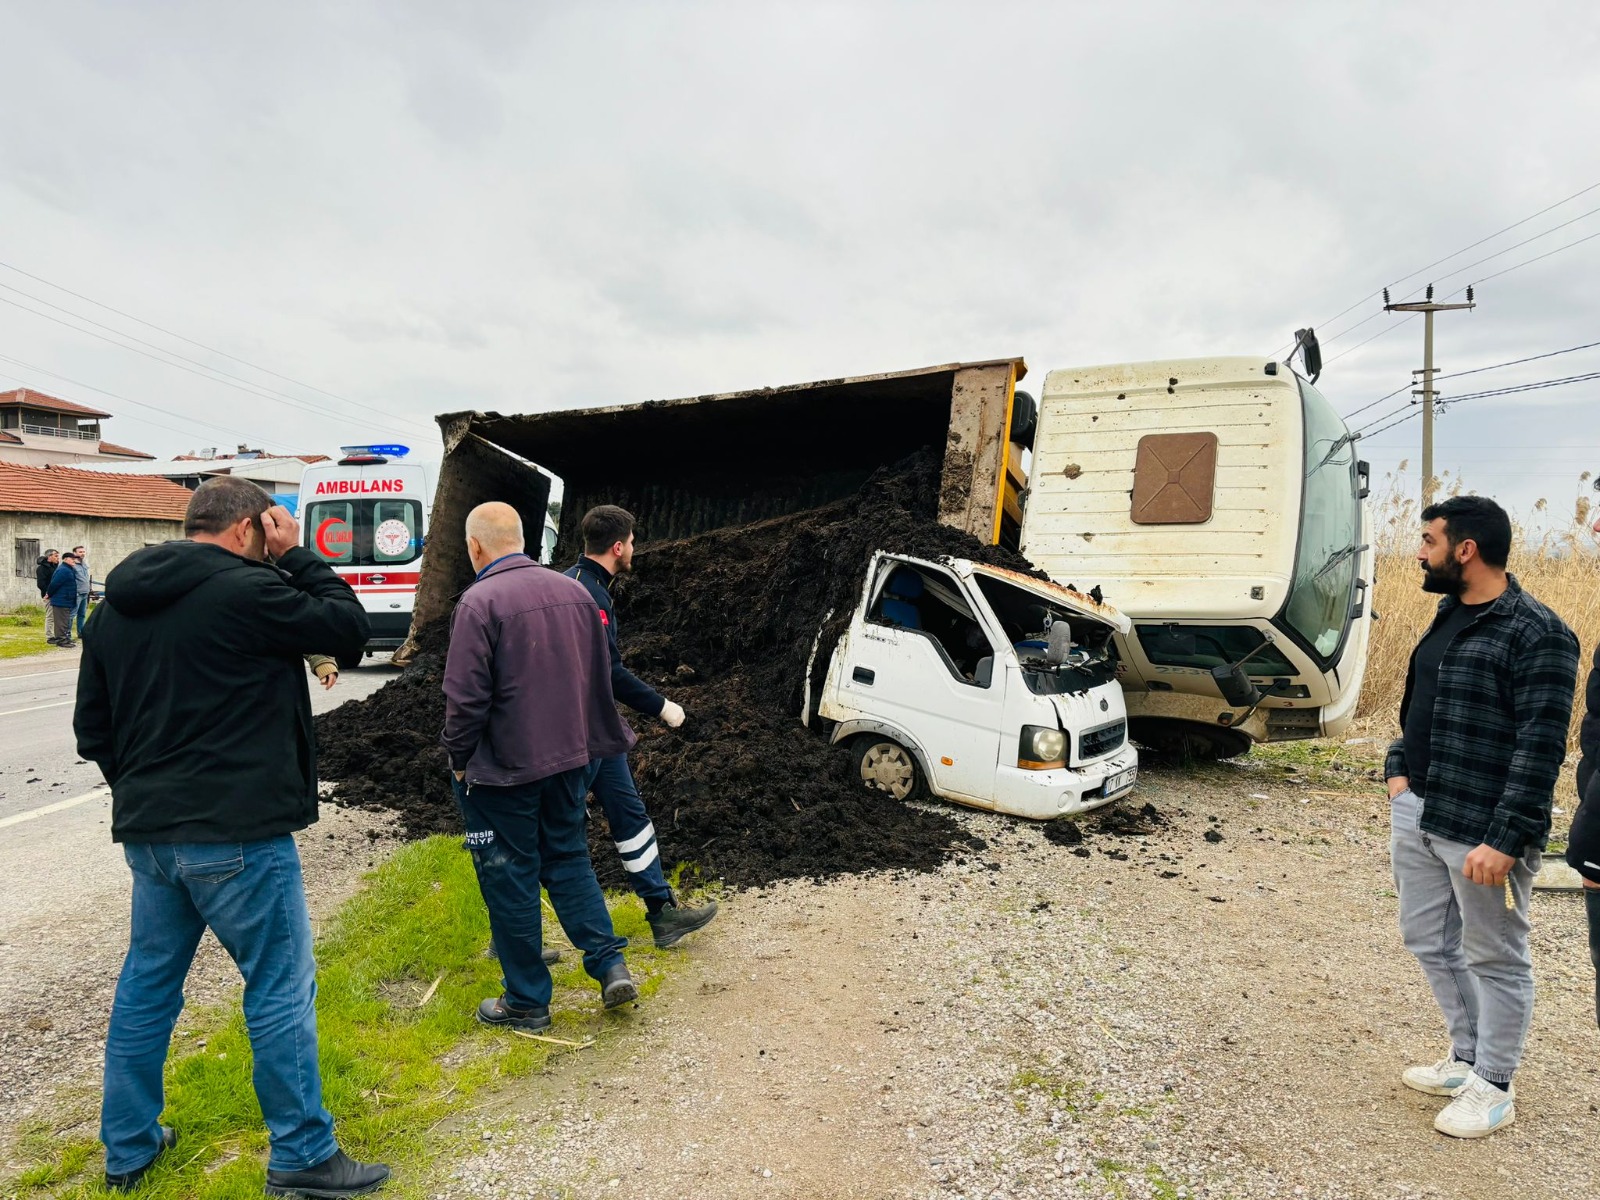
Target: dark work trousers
<point>632,832</point>
<point>521,837</point>
<point>1591,903</point>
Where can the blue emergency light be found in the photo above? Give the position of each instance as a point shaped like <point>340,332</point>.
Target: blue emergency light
<point>375,451</point>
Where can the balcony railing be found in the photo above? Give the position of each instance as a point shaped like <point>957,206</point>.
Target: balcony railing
<point>82,435</point>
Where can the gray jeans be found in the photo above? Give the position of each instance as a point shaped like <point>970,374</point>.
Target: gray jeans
<point>1472,948</point>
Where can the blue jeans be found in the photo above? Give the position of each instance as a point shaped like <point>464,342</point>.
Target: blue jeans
<point>81,612</point>
<point>252,897</point>
<point>1472,948</point>
<point>632,832</point>
<point>521,837</point>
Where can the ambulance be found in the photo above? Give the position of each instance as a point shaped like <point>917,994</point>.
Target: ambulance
<point>366,516</point>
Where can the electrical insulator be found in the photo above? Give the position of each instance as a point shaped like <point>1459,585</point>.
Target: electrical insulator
<point>1430,293</point>
<point>1469,293</point>
<point>1386,297</point>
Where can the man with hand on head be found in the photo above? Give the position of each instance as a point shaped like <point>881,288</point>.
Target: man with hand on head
<point>1484,732</point>
<point>192,700</point>
<point>608,533</point>
<point>528,712</point>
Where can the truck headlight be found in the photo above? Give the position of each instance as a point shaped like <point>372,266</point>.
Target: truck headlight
<point>1042,748</point>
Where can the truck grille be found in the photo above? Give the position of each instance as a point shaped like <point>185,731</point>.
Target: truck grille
<point>1102,741</point>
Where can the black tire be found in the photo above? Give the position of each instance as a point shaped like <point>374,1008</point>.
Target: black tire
<point>349,662</point>
<point>884,765</point>
<point>1024,419</point>
<point>1185,742</point>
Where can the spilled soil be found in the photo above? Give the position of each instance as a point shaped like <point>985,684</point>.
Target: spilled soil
<point>725,624</point>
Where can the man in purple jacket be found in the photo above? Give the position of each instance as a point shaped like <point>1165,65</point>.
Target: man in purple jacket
<point>528,712</point>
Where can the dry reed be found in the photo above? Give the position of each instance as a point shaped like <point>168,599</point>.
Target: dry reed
<point>1559,566</point>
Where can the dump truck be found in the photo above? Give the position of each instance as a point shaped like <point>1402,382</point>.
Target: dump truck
<point>1216,503</point>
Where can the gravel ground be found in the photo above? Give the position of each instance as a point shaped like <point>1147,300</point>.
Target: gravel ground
<point>1220,1008</point>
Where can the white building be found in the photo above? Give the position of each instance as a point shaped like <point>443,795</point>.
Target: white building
<point>37,430</point>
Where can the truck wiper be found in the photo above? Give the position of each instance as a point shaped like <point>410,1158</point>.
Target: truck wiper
<point>1337,446</point>
<point>1338,556</point>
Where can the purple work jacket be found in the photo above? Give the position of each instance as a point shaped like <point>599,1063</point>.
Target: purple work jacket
<point>527,681</point>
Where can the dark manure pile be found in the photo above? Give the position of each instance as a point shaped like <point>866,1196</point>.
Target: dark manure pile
<point>725,624</point>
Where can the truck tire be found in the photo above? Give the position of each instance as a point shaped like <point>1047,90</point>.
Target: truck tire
<point>1186,742</point>
<point>884,765</point>
<point>1024,419</point>
<point>349,662</point>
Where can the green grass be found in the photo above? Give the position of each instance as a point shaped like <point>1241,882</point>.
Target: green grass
<point>22,632</point>
<point>397,1077</point>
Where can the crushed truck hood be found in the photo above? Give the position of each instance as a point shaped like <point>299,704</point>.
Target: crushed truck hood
<point>1056,594</point>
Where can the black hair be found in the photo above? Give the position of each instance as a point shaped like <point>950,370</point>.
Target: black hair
<point>1477,519</point>
<point>604,526</point>
<point>223,502</point>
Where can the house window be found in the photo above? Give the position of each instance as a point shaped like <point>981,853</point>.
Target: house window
<point>27,557</point>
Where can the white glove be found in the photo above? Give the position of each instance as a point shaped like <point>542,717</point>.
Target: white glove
<point>672,714</point>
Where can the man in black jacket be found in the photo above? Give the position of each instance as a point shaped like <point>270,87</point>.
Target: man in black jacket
<point>192,700</point>
<point>43,572</point>
<point>608,551</point>
<point>1583,844</point>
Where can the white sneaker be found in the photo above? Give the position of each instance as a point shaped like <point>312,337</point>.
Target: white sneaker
<point>1478,1110</point>
<point>1444,1078</point>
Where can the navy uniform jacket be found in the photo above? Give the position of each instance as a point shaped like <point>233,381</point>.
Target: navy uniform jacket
<point>627,687</point>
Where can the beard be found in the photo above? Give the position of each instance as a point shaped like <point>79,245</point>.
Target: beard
<point>1444,581</point>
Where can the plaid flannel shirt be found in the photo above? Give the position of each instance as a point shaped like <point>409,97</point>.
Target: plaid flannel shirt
<point>1500,719</point>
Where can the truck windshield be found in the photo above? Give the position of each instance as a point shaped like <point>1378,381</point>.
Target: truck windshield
<point>1321,593</point>
<point>365,533</point>
<point>1026,617</point>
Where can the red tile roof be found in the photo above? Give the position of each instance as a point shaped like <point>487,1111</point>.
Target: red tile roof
<point>61,490</point>
<point>9,438</point>
<point>123,451</point>
<point>32,399</point>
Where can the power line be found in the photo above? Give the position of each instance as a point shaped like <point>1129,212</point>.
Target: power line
<point>1448,257</point>
<point>1540,385</point>
<point>198,369</point>
<point>170,333</point>
<point>1473,371</point>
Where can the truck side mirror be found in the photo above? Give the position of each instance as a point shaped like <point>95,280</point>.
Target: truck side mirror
<point>1235,685</point>
<point>1059,644</point>
<point>984,675</point>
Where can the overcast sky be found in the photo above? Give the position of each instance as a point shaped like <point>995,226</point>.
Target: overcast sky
<point>423,207</point>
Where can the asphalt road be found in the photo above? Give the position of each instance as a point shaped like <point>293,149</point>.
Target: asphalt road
<point>64,886</point>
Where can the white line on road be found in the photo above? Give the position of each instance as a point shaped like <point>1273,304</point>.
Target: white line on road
<point>38,674</point>
<point>59,806</point>
<point>37,707</point>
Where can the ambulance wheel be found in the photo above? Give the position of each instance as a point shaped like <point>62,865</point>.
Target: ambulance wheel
<point>884,765</point>
<point>349,662</point>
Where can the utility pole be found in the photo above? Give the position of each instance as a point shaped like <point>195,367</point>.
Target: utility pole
<point>1427,308</point>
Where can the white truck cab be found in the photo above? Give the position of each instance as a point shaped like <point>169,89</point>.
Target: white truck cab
<point>366,516</point>
<point>983,686</point>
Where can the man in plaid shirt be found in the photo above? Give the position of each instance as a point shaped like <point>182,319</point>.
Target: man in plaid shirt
<point>1484,732</point>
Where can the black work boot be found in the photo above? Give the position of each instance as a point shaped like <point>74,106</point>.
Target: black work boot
<point>672,923</point>
<point>617,986</point>
<point>495,1011</point>
<point>129,1180</point>
<point>330,1179</point>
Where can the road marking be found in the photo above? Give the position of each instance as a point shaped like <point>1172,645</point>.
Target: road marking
<point>38,674</point>
<point>59,806</point>
<point>37,708</point>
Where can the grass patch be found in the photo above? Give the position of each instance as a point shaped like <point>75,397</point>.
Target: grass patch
<point>22,632</point>
<point>393,1072</point>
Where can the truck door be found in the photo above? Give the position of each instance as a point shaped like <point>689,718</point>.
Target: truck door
<point>920,660</point>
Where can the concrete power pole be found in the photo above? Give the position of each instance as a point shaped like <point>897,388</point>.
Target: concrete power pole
<point>1427,308</point>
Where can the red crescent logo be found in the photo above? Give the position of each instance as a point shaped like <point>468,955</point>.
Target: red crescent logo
<point>321,538</point>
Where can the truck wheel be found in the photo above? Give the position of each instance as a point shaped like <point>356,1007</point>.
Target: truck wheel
<point>349,662</point>
<point>886,766</point>
<point>1182,742</point>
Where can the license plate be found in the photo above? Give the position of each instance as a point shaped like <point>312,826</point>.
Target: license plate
<point>1121,781</point>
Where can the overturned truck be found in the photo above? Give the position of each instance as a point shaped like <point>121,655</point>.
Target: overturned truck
<point>1217,503</point>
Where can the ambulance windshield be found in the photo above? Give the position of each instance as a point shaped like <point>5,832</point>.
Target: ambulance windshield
<point>365,533</point>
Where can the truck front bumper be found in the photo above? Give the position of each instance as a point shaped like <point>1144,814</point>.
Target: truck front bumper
<point>1045,795</point>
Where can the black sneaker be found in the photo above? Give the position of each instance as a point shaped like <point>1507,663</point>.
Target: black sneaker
<point>617,986</point>
<point>672,924</point>
<point>495,1011</point>
<point>330,1179</point>
<point>129,1180</point>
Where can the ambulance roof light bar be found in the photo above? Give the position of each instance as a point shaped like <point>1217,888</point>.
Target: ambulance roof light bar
<point>363,456</point>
